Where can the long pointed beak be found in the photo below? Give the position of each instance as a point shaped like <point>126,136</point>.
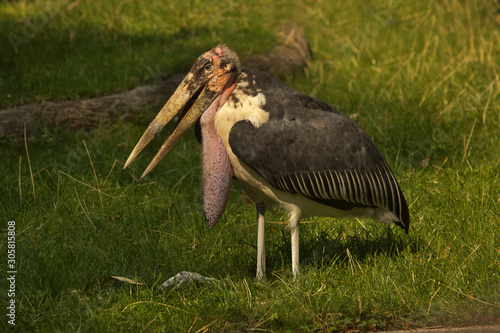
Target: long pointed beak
<point>179,99</point>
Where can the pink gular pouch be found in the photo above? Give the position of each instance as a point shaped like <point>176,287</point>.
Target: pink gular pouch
<point>217,170</point>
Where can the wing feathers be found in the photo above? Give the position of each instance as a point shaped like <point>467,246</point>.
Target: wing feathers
<point>345,189</point>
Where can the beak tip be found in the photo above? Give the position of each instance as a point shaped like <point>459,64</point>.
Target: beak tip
<point>148,169</point>
<point>130,159</point>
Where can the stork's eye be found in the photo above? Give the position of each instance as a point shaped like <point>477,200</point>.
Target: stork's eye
<point>209,68</point>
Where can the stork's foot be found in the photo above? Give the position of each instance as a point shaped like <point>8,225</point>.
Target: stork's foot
<point>261,277</point>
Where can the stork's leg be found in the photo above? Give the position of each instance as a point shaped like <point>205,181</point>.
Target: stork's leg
<point>261,244</point>
<point>295,251</point>
<point>294,230</point>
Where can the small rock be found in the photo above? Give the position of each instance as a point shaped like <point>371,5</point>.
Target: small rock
<point>184,278</point>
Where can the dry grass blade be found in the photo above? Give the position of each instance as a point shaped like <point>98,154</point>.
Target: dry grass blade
<point>110,171</point>
<point>89,186</point>
<point>439,168</point>
<point>189,244</point>
<point>461,293</point>
<point>400,296</point>
<point>215,243</point>
<point>29,164</point>
<point>84,211</point>
<point>434,86</point>
<point>152,320</point>
<point>155,303</point>
<point>182,178</point>
<point>493,84</point>
<point>205,328</point>
<point>73,5</point>
<point>192,325</point>
<point>126,280</point>
<point>93,171</point>
<point>467,144</point>
<point>351,261</point>
<point>454,277</point>
<point>273,315</point>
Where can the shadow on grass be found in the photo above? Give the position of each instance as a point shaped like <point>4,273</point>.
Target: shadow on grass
<point>324,249</point>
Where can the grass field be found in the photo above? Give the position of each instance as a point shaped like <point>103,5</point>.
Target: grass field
<point>421,77</point>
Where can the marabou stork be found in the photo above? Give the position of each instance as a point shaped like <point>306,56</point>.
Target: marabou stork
<point>285,148</point>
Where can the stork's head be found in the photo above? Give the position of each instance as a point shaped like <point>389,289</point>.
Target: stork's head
<point>212,73</point>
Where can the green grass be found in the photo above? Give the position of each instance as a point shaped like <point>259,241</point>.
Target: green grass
<point>421,77</point>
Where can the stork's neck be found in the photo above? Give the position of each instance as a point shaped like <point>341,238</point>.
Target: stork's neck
<point>207,118</point>
<point>225,95</point>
